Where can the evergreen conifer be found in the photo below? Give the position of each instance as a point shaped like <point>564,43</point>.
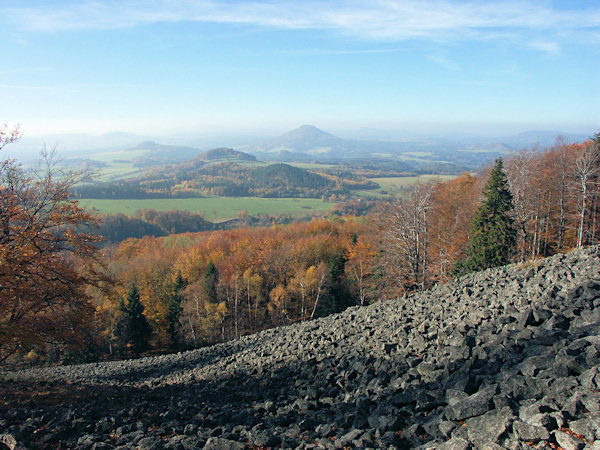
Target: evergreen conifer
<point>493,233</point>
<point>174,311</point>
<point>134,328</point>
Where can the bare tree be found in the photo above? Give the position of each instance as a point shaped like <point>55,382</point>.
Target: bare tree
<point>406,238</point>
<point>521,169</point>
<point>562,161</point>
<point>587,166</point>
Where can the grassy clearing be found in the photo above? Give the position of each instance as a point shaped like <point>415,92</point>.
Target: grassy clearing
<point>214,208</point>
<point>395,185</point>
<point>118,164</point>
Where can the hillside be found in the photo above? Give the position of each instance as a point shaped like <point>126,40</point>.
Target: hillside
<point>506,358</point>
<point>223,153</point>
<point>284,176</point>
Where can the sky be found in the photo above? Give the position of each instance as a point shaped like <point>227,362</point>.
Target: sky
<point>169,66</point>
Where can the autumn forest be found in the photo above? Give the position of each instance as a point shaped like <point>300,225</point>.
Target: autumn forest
<point>63,297</point>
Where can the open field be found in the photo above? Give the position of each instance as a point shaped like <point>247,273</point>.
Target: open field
<point>214,208</point>
<point>119,164</point>
<point>395,185</point>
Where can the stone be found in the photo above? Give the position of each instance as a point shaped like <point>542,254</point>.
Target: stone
<point>567,441</point>
<point>588,427</point>
<point>150,443</point>
<point>455,444</point>
<point>474,405</point>
<point>530,433</point>
<point>347,438</point>
<point>215,443</point>
<point>489,426</point>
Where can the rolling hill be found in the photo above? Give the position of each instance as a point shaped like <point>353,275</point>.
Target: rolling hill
<point>225,154</point>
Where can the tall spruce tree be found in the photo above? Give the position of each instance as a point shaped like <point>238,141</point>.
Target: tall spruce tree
<point>211,281</point>
<point>134,328</point>
<point>493,233</point>
<point>174,309</point>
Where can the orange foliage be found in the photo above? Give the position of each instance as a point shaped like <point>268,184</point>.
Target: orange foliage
<point>45,264</point>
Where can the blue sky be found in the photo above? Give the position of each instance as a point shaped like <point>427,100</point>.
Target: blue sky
<point>163,66</point>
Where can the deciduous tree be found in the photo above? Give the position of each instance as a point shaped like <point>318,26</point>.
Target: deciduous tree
<point>46,262</point>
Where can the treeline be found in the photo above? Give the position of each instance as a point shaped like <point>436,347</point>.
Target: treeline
<point>227,179</point>
<point>115,228</point>
<point>150,222</point>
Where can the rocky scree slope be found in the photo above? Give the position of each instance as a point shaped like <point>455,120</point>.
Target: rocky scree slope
<point>505,358</point>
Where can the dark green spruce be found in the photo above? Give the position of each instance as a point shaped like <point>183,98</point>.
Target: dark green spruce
<point>174,299</point>
<point>134,329</point>
<point>493,234</point>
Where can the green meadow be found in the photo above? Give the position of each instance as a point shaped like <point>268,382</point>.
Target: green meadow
<point>214,208</point>
<point>118,164</point>
<point>390,186</point>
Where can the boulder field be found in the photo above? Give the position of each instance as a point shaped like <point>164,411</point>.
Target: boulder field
<point>505,358</point>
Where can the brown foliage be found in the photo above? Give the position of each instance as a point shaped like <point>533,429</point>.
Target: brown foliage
<point>45,262</point>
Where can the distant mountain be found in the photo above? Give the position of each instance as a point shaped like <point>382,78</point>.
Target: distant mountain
<point>162,151</point>
<point>306,139</point>
<point>309,143</point>
<point>74,143</point>
<point>224,153</point>
<point>544,138</point>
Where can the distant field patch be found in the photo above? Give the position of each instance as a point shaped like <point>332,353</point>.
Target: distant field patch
<point>214,208</point>
<point>417,154</point>
<point>311,165</point>
<point>118,164</point>
<point>395,185</point>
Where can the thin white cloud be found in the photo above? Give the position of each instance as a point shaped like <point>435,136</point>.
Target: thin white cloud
<point>444,62</point>
<point>549,47</point>
<point>389,20</point>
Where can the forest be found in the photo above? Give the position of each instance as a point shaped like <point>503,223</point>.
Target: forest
<point>179,291</point>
